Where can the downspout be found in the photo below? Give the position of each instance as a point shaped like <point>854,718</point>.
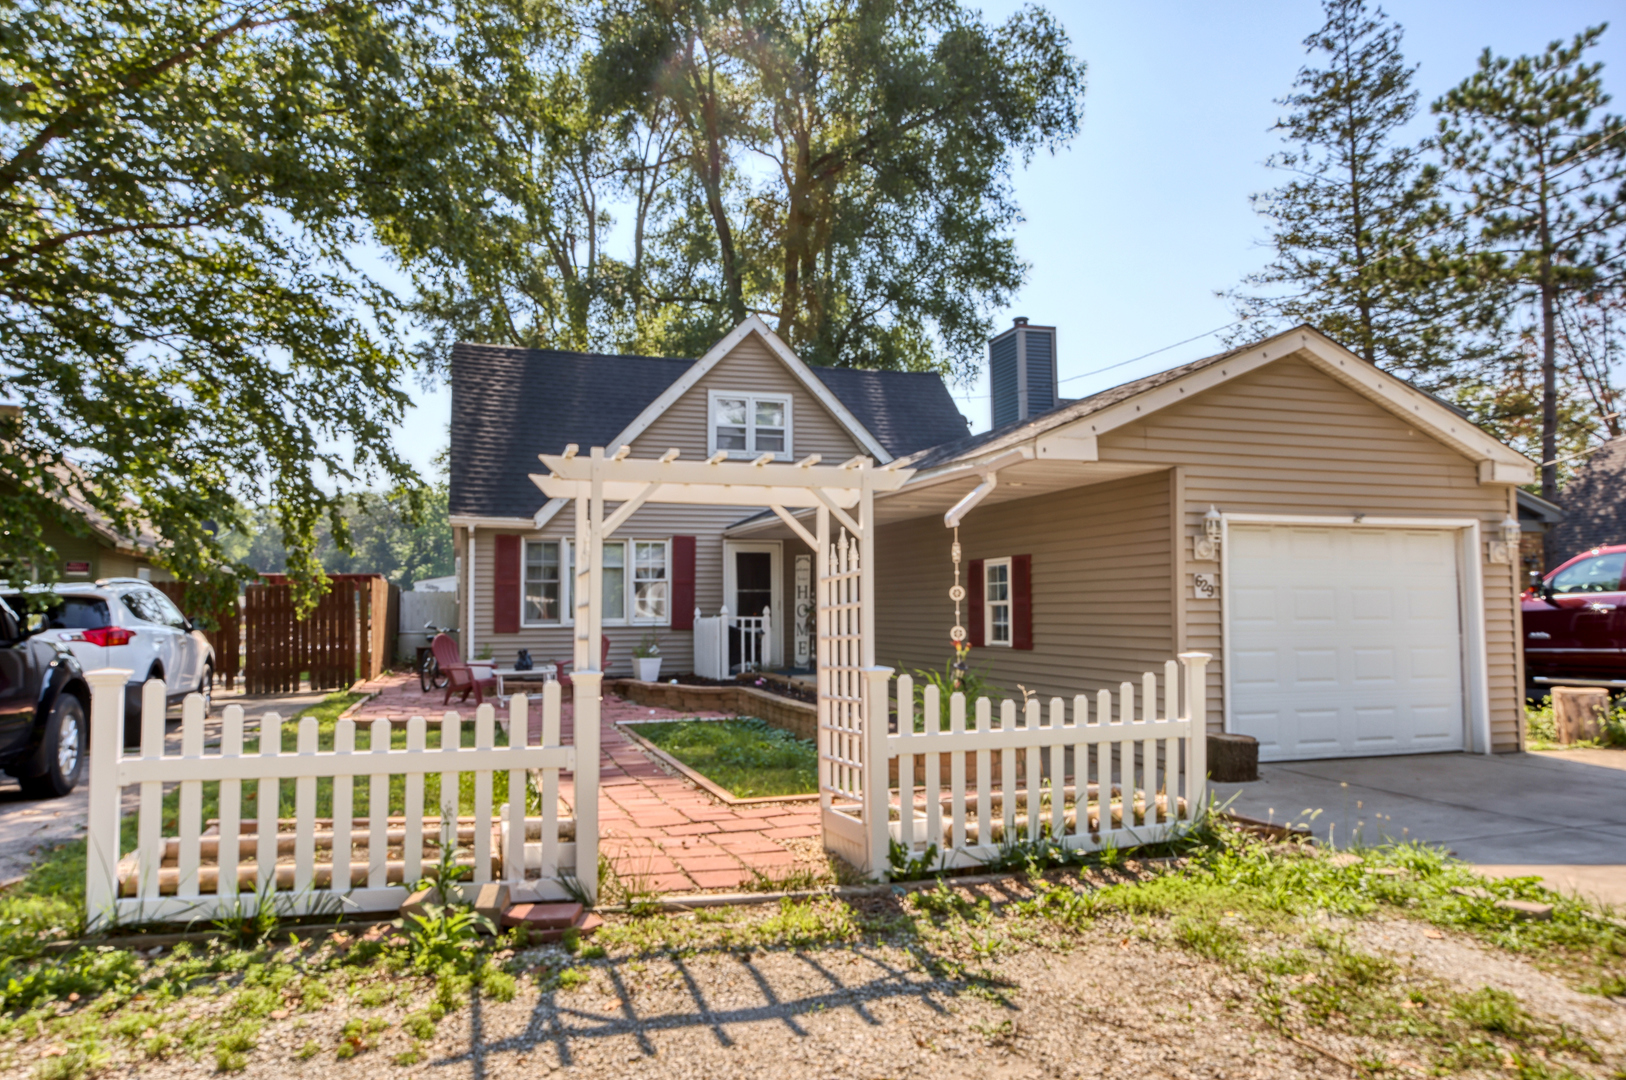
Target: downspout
<point>990,480</point>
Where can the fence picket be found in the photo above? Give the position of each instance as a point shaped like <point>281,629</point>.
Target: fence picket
<point>190,819</point>
<point>932,708</point>
<point>1035,774</point>
<point>551,708</point>
<point>378,807</point>
<point>412,848</point>
<point>1058,774</point>
<point>231,803</point>
<point>344,811</point>
<point>957,772</point>
<point>1081,767</point>
<point>985,787</point>
<point>485,723</point>
<point>519,734</point>
<point>305,812</point>
<point>451,735</point>
<point>152,791</point>
<point>268,800</point>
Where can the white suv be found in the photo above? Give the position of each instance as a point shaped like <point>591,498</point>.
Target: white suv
<point>126,623</point>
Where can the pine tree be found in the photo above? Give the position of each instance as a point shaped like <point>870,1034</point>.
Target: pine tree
<point>1544,187</point>
<point>1348,230</point>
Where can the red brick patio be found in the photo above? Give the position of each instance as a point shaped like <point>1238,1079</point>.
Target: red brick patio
<point>661,832</point>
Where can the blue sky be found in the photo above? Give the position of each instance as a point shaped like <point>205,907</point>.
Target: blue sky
<point>1133,228</point>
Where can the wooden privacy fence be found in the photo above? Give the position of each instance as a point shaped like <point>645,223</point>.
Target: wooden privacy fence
<point>968,787</point>
<point>221,830</point>
<point>349,636</point>
<point>224,626</point>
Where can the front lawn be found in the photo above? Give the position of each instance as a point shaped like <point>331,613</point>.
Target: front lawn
<point>747,756</point>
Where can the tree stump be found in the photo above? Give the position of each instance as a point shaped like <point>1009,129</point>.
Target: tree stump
<point>1233,759</point>
<point>1579,712</point>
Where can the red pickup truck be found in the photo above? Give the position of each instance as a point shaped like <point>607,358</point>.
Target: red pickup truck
<point>1575,620</point>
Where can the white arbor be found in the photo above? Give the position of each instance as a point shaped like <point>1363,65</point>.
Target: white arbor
<point>852,690</point>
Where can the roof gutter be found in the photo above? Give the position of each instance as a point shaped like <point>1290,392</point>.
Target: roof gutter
<point>990,480</point>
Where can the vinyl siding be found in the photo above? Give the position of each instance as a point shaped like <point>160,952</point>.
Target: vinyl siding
<point>1287,439</point>
<point>749,368</point>
<point>1102,607</point>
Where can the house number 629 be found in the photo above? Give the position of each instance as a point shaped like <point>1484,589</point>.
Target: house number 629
<point>1206,586</point>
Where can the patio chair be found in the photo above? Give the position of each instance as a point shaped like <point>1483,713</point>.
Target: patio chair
<point>462,676</point>
<point>603,663</point>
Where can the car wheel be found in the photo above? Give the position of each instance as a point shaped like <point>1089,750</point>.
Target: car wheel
<point>62,750</point>
<point>206,687</point>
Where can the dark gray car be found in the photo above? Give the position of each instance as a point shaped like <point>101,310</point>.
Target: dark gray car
<point>44,706</point>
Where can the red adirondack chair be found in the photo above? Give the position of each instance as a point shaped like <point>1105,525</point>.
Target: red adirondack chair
<point>461,676</point>
<point>603,663</point>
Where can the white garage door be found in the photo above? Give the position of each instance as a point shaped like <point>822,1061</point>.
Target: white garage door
<point>1344,641</point>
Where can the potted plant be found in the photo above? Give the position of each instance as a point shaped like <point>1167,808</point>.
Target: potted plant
<point>646,658</point>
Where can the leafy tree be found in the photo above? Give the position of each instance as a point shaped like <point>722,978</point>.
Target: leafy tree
<point>1542,179</point>
<point>841,167</point>
<point>1357,231</point>
<point>181,328</point>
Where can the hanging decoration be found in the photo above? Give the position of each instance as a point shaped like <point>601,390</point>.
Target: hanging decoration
<point>957,635</point>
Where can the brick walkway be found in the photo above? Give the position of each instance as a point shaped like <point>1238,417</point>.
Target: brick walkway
<point>660,831</point>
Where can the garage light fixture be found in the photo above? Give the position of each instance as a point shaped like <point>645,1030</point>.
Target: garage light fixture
<point>1206,547</point>
<point>1504,550</point>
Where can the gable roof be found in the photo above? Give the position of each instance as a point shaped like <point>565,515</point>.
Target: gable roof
<point>511,404</point>
<point>1073,427</point>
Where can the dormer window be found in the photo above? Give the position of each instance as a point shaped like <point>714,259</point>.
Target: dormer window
<point>750,425</point>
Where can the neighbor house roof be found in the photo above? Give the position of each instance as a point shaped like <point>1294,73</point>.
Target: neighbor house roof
<point>511,404</point>
<point>1594,506</point>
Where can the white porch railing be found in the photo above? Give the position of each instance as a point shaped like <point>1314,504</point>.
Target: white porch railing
<point>353,858</point>
<point>711,642</point>
<point>1130,774</point>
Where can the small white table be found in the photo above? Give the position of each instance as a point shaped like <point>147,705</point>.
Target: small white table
<point>540,673</point>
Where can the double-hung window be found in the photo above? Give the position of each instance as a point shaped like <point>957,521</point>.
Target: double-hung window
<point>637,582</point>
<point>749,425</point>
<point>545,580</point>
<point>996,600</point>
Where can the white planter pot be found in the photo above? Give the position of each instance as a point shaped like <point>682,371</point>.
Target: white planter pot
<point>647,669</point>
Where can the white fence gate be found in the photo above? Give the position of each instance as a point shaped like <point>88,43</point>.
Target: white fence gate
<point>354,858</point>
<point>711,645</point>
<point>1124,777</point>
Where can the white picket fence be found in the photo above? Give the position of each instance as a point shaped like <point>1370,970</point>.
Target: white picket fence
<point>195,871</point>
<point>1132,773</point>
<point>711,642</point>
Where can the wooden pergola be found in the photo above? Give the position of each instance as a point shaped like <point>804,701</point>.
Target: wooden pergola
<point>851,688</point>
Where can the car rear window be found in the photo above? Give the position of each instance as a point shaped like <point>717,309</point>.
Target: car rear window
<point>71,613</point>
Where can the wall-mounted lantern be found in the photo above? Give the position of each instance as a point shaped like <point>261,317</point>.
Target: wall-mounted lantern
<point>1206,547</point>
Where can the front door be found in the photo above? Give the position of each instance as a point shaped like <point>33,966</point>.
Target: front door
<point>750,589</point>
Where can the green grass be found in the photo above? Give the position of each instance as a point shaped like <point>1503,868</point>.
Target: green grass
<point>746,756</point>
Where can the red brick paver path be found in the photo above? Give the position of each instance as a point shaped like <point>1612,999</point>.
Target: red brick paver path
<point>661,832</point>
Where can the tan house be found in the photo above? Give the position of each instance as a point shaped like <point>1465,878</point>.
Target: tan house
<point>1344,545</point>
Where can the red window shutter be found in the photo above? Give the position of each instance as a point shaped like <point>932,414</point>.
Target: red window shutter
<point>682,583</point>
<point>1021,601</point>
<point>505,584</point>
<point>976,582</point>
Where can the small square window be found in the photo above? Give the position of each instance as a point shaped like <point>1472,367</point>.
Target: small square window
<point>751,424</point>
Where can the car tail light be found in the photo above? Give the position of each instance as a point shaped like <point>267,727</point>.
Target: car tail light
<point>107,636</point>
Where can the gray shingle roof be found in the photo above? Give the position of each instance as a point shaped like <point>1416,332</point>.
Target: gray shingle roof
<point>511,404</point>
<point>1594,507</point>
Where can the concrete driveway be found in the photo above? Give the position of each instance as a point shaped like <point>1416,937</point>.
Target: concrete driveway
<point>1560,815</point>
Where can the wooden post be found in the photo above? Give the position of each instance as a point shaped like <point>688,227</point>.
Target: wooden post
<point>1579,712</point>
<point>1197,712</point>
<point>877,793</point>
<point>102,824</point>
<point>585,737</point>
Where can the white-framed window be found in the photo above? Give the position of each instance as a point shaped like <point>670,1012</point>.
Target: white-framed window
<point>750,425</point>
<point>996,601</point>
<point>637,582</point>
<point>547,583</point>
<point>651,581</point>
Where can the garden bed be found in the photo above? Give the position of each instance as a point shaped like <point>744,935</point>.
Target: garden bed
<point>738,760</point>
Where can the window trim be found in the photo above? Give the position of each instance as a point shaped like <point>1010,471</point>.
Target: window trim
<point>989,604</point>
<point>751,399</point>
<point>564,582</point>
